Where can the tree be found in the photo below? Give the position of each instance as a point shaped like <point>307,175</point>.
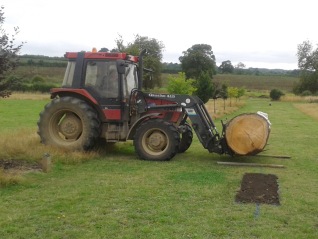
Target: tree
<point>204,87</point>
<point>180,85</point>
<point>308,64</point>
<point>197,59</point>
<point>104,49</point>
<point>216,93</point>
<point>240,92</point>
<point>239,68</point>
<point>307,56</point>
<point>8,56</point>
<point>226,67</point>
<point>152,60</point>
<point>198,63</point>
<point>240,65</point>
<point>224,93</point>
<point>232,93</point>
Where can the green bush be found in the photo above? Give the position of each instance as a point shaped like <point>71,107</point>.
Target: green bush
<point>37,79</point>
<point>275,94</point>
<point>180,85</point>
<point>42,87</point>
<point>306,93</point>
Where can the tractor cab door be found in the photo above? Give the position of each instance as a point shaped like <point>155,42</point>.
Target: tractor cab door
<point>129,82</point>
<point>111,84</point>
<point>102,82</point>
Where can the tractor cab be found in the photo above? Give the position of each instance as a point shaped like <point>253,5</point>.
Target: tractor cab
<point>109,79</point>
<point>106,75</point>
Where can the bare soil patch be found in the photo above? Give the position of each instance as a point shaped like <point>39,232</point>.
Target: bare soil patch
<point>19,165</point>
<point>258,188</point>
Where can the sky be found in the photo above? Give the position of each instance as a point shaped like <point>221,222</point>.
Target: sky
<point>258,33</point>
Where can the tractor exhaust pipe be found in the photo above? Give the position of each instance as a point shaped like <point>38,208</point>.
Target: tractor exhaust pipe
<point>141,69</point>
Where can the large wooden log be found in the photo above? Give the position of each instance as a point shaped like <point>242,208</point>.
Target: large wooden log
<point>247,134</point>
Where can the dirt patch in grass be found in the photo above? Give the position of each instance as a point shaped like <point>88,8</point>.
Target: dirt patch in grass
<point>19,165</point>
<point>258,188</point>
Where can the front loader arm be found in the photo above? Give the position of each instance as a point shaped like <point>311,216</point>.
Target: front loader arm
<point>202,123</point>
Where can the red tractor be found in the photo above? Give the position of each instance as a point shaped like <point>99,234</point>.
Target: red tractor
<point>101,98</point>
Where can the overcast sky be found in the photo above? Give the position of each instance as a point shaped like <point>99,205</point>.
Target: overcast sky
<point>259,33</point>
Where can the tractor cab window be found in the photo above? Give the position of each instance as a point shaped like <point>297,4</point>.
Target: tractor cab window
<point>130,79</point>
<point>102,77</point>
<point>69,74</point>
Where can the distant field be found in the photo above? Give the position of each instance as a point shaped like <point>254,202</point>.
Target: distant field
<point>254,82</point>
<point>250,82</point>
<point>49,74</point>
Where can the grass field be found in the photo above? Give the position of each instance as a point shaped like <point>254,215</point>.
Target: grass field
<point>112,194</point>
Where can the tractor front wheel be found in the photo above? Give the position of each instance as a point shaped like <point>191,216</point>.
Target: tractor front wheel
<point>69,123</point>
<point>186,138</point>
<point>156,140</point>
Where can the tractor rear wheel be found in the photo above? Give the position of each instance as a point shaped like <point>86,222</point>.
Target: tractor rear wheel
<point>156,140</point>
<point>69,123</point>
<point>186,138</point>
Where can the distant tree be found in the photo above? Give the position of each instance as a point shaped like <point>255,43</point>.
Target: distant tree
<point>152,59</point>
<point>240,65</point>
<point>172,68</point>
<point>180,85</point>
<point>239,68</point>
<point>226,67</point>
<point>308,64</point>
<point>120,44</point>
<point>307,56</point>
<point>104,49</point>
<point>198,59</point>
<point>8,56</point>
<point>204,87</point>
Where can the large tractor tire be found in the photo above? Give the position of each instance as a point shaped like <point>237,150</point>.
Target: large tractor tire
<point>69,123</point>
<point>186,138</point>
<point>156,140</point>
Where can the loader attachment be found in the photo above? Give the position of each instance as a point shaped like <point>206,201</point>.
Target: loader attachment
<point>246,134</point>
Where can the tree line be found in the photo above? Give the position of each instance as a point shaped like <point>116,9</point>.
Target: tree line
<point>175,68</point>
<point>197,63</point>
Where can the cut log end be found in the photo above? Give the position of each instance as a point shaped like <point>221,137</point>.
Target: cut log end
<point>247,134</point>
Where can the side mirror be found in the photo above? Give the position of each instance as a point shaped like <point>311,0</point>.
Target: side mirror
<point>121,66</point>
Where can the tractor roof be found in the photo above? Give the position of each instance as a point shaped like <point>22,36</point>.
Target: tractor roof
<point>103,55</point>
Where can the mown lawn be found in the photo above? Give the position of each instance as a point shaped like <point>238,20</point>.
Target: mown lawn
<point>115,195</point>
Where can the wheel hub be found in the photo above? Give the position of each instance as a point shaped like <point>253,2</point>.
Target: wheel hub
<point>70,126</point>
<point>157,141</point>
